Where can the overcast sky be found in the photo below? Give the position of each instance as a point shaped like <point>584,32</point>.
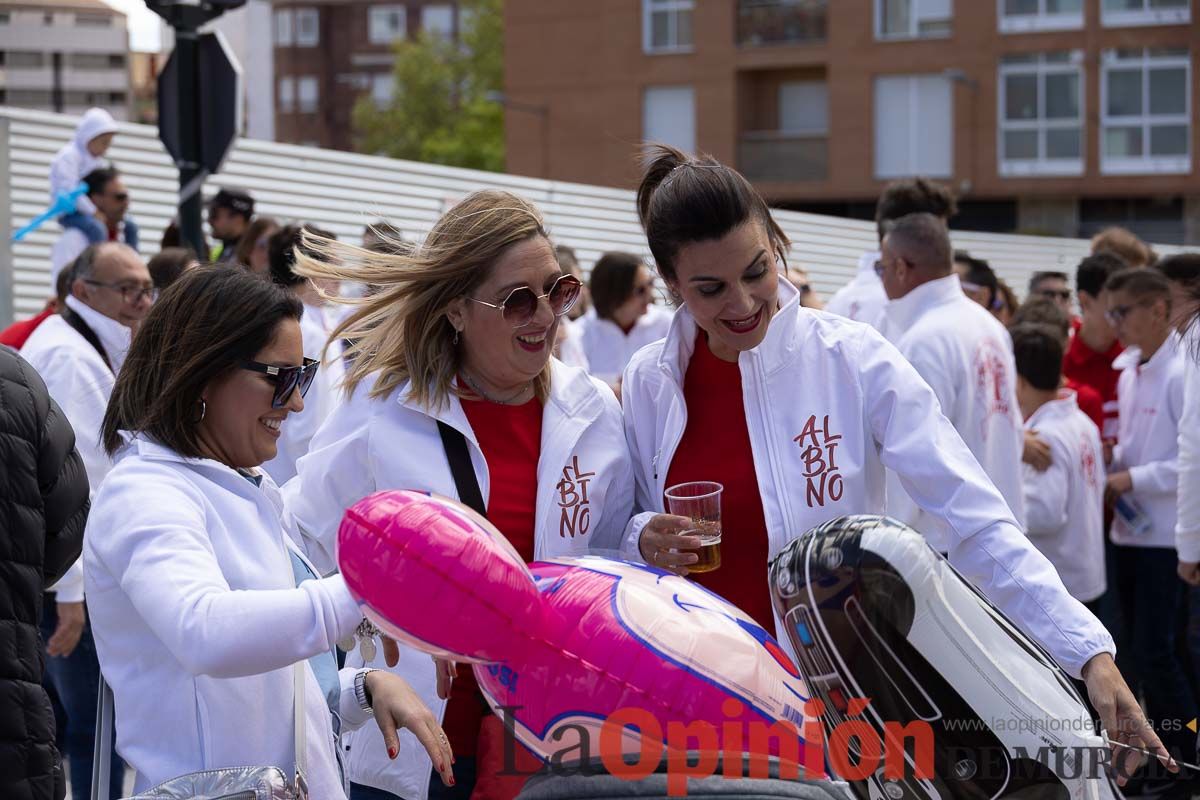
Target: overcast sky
<point>143,24</point>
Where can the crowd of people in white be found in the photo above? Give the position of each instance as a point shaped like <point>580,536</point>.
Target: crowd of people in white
<point>227,413</point>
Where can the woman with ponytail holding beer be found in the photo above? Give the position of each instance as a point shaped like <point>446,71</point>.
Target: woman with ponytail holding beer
<point>797,413</point>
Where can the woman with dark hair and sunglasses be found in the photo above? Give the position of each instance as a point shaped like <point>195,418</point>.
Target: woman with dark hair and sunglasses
<point>624,318</point>
<point>797,413</point>
<point>452,365</point>
<point>200,600</point>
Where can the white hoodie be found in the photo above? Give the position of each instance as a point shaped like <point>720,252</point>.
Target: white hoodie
<point>80,382</point>
<point>371,444</point>
<point>863,298</point>
<point>1150,401</point>
<point>608,348</point>
<point>73,162</point>
<point>829,404</point>
<point>1065,504</point>
<point>965,355</point>
<point>198,621</point>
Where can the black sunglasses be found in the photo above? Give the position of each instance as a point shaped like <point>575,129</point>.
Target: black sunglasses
<point>522,303</point>
<point>1055,294</point>
<point>286,379</point>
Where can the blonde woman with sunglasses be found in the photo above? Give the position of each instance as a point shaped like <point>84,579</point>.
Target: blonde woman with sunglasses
<point>455,347</point>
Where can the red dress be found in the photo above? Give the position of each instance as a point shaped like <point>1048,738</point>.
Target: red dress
<point>716,447</point>
<point>511,440</point>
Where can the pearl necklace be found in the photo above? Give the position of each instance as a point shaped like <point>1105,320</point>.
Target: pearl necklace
<point>509,401</point>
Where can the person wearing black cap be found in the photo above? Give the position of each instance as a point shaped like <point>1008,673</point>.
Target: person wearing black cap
<point>229,214</point>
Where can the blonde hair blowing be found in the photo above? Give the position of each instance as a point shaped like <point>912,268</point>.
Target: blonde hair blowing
<point>401,331</point>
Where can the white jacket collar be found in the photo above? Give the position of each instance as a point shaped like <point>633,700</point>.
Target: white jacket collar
<point>1066,403</point>
<point>681,337</point>
<point>902,312</point>
<point>1132,356</point>
<point>114,337</point>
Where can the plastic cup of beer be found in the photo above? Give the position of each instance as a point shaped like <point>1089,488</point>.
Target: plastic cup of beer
<point>700,501</point>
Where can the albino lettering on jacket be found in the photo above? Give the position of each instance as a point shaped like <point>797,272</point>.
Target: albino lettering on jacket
<point>820,462</point>
<point>573,500</point>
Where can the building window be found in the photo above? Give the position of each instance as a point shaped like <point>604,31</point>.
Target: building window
<point>287,95</point>
<point>669,116</point>
<point>912,19</point>
<point>307,95</point>
<point>1118,13</point>
<point>383,86</point>
<point>1146,104</point>
<point>93,21</point>
<point>1021,16</point>
<point>96,60</point>
<point>29,97</point>
<point>386,24</point>
<point>308,27</point>
<point>914,130</point>
<point>1041,114</point>
<point>16,59</point>
<point>285,27</point>
<point>5,17</point>
<point>767,22</point>
<point>667,25</point>
<point>804,108</point>
<point>438,20</point>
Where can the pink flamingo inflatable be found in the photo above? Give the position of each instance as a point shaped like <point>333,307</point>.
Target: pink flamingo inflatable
<point>566,642</point>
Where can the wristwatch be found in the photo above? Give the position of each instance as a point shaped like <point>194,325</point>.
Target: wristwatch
<point>361,693</point>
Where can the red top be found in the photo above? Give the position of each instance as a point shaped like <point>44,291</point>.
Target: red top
<point>1089,401</point>
<point>1083,365</point>
<point>716,447</point>
<point>511,440</point>
<point>18,333</point>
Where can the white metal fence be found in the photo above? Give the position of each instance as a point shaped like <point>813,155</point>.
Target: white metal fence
<point>344,191</point>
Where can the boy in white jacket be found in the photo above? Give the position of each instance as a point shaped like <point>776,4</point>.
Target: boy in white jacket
<point>84,153</point>
<point>1064,504</point>
<point>1143,473</point>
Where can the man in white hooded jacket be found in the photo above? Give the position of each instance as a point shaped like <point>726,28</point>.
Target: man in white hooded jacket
<point>961,351</point>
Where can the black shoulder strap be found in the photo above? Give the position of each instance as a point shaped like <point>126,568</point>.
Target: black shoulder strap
<point>76,322</point>
<point>460,467</point>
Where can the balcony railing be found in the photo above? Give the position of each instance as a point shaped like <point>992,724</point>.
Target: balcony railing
<point>767,22</point>
<point>783,157</point>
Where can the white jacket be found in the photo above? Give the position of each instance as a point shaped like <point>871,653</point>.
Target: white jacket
<point>1064,505</point>
<point>73,162</point>
<point>198,621</point>
<point>323,396</point>
<point>829,404</point>
<point>368,445</point>
<point>863,298</point>
<point>81,383</point>
<point>1187,526</point>
<point>1150,398</point>
<point>965,355</point>
<point>608,348</point>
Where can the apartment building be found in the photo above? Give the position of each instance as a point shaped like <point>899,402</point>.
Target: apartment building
<point>329,53</point>
<point>1046,116</point>
<point>65,56</point>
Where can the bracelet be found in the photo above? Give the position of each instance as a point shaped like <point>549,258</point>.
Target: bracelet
<point>361,692</point>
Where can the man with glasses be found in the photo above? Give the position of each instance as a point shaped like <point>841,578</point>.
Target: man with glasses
<point>1053,286</point>
<point>78,353</point>
<point>107,191</point>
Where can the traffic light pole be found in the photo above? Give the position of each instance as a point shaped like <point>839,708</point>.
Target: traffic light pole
<point>191,174</point>
<point>186,17</point>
